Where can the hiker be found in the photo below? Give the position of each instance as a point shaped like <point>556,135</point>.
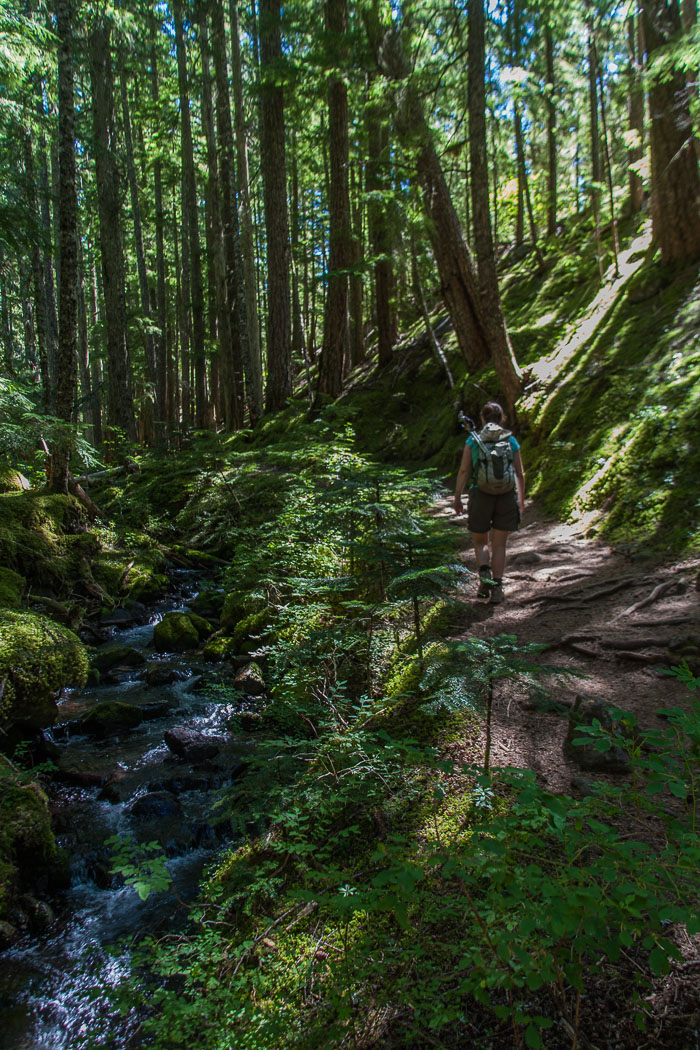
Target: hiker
<point>491,461</point>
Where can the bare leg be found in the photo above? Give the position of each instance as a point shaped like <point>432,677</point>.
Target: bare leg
<point>499,538</point>
<point>481,548</point>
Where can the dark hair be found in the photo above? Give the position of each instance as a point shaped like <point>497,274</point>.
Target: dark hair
<point>492,412</point>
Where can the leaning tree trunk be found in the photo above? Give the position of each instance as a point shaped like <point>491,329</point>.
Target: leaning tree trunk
<point>336,333</point>
<point>120,403</point>
<point>509,375</point>
<point>66,370</point>
<point>675,183</point>
<point>458,279</point>
<point>273,164</point>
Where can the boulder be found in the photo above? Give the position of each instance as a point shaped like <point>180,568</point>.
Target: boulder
<point>133,614</point>
<point>191,745</point>
<point>12,586</point>
<point>585,712</point>
<point>117,656</point>
<point>111,718</point>
<point>12,481</point>
<point>161,673</point>
<point>178,632</point>
<point>250,680</point>
<point>156,805</point>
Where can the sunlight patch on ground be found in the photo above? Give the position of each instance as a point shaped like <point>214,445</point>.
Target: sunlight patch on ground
<point>629,262</point>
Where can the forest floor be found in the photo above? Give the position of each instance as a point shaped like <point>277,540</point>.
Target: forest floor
<point>613,620</point>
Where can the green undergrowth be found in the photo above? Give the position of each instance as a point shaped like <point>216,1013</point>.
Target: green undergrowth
<point>385,889</point>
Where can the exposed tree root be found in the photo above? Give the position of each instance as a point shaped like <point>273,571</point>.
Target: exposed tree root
<point>659,591</point>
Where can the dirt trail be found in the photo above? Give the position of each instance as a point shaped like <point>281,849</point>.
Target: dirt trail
<point>615,619</point>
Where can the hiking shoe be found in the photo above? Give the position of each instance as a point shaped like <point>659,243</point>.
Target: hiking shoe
<point>485,585</point>
<point>496,592</point>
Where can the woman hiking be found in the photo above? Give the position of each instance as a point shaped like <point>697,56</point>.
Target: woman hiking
<point>491,462</point>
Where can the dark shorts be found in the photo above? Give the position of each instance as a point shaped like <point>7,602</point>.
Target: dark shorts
<point>493,512</point>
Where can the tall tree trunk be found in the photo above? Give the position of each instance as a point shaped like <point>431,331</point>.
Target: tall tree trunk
<point>596,173</point>
<point>235,286</point>
<point>47,265</point>
<point>66,371</point>
<point>273,163</point>
<point>509,375</point>
<point>189,187</point>
<point>377,186</point>
<point>150,348</point>
<point>297,324</point>
<point>229,364</point>
<point>26,295</point>
<point>336,333</point>
<point>161,308</point>
<point>120,403</point>
<point>675,183</point>
<point>551,134</point>
<point>254,383</point>
<point>609,172</point>
<point>357,336</point>
<point>39,285</point>
<point>635,153</point>
<point>525,183</point>
<point>5,324</point>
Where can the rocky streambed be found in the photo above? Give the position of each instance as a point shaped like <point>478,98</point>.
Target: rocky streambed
<point>142,754</point>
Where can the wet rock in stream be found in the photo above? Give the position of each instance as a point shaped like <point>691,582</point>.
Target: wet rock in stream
<point>156,805</point>
<point>117,656</point>
<point>110,718</point>
<point>192,746</point>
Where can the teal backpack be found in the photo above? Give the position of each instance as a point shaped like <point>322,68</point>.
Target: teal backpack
<point>495,473</point>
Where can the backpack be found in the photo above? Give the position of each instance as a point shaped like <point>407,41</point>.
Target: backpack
<point>495,473</point>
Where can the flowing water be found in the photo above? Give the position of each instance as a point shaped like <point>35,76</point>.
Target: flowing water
<point>54,988</point>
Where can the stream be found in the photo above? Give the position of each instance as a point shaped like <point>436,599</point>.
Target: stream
<point>52,986</point>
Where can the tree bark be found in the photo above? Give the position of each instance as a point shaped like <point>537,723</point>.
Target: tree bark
<point>596,174</point>
<point>66,371</point>
<point>675,183</point>
<point>120,403</point>
<point>273,163</point>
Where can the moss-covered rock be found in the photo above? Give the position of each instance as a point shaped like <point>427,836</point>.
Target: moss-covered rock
<point>11,480</point>
<point>27,845</point>
<point>40,535</point>
<point>117,656</point>
<point>250,680</point>
<point>11,588</point>
<point>110,718</point>
<point>219,648</point>
<point>250,627</point>
<point>37,658</point>
<point>177,632</point>
<point>235,607</point>
<point>147,586</point>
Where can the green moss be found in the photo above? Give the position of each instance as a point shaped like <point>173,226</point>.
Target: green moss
<point>12,587</point>
<point>37,535</point>
<point>37,658</point>
<point>10,479</point>
<point>146,586</point>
